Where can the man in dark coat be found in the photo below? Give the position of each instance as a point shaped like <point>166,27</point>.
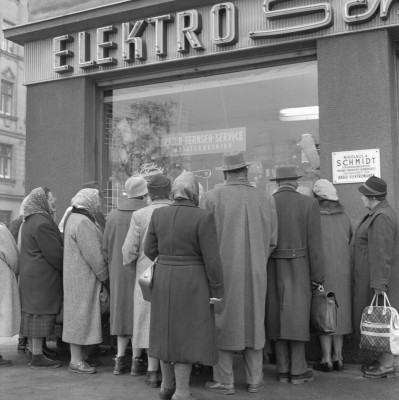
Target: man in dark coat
<point>246,223</point>
<point>294,266</point>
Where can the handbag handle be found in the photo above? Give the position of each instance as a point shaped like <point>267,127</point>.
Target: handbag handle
<point>375,300</point>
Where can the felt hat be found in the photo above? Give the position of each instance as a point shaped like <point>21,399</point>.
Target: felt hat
<point>374,186</point>
<point>286,172</point>
<point>136,186</point>
<point>233,160</point>
<point>159,185</point>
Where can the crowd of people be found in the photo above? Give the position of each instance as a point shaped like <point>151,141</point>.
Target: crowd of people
<point>233,266</point>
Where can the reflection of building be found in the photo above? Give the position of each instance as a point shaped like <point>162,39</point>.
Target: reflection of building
<point>281,77</point>
<point>12,113</point>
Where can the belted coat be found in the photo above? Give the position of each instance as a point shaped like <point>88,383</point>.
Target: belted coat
<point>294,264</point>
<point>246,224</point>
<point>376,259</point>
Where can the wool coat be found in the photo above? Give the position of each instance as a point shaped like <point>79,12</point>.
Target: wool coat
<point>40,279</point>
<point>10,307</point>
<point>84,272</point>
<point>294,264</point>
<point>376,259</point>
<point>134,257</point>
<point>121,279</point>
<point>246,226</point>
<point>336,233</point>
<point>187,275</point>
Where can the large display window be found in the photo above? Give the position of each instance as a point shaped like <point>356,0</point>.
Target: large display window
<point>271,114</point>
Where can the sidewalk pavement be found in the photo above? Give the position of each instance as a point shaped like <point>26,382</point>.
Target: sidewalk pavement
<point>21,382</point>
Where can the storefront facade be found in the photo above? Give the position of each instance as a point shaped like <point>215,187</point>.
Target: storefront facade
<point>140,87</point>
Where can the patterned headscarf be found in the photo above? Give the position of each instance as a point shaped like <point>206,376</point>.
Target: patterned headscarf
<point>22,207</point>
<point>86,199</point>
<point>37,203</point>
<point>186,186</point>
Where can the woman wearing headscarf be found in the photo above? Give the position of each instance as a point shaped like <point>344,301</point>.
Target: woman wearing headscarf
<point>336,233</point>
<point>84,274</point>
<point>10,307</point>
<point>159,189</point>
<point>376,262</point>
<point>188,277</point>
<point>40,278</point>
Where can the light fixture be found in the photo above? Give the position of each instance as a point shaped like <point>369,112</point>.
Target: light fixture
<point>299,114</point>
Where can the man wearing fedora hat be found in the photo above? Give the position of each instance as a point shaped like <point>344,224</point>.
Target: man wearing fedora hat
<point>247,233</point>
<point>295,263</point>
<point>122,279</point>
<point>376,263</point>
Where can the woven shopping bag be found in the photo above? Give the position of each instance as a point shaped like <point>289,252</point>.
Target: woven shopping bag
<point>379,327</point>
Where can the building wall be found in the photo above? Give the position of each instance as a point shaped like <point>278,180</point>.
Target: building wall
<point>61,140</point>
<point>13,127</point>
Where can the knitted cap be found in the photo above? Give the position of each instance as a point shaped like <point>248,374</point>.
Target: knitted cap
<point>136,186</point>
<point>159,185</point>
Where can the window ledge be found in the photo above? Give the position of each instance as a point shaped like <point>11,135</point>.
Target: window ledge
<point>8,181</point>
<point>12,118</point>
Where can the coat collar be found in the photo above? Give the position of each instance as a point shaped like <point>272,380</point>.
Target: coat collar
<point>382,204</point>
<point>330,207</point>
<point>183,202</point>
<point>131,204</point>
<point>286,189</point>
<point>245,183</point>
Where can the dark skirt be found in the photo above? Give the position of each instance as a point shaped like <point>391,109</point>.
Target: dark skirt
<point>37,326</point>
<point>182,327</point>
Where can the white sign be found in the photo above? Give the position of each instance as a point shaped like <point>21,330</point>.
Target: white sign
<point>355,166</point>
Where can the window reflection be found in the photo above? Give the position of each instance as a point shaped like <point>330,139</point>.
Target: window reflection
<point>187,125</point>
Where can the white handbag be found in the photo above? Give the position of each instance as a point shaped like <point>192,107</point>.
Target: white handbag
<point>379,327</point>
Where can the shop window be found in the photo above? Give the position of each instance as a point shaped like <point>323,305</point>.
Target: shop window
<point>7,45</point>
<point>271,114</point>
<point>5,161</point>
<point>6,97</point>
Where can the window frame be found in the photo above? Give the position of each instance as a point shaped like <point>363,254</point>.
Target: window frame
<point>6,98</point>
<point>6,153</point>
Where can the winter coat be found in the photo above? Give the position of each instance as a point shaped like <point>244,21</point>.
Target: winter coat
<point>134,257</point>
<point>84,272</point>
<point>10,307</point>
<point>40,279</point>
<point>294,264</point>
<point>121,278</point>
<point>336,233</point>
<point>246,224</point>
<point>376,259</point>
<point>187,275</point>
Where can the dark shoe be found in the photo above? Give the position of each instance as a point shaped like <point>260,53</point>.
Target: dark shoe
<point>22,343</point>
<point>222,388</point>
<point>41,361</point>
<point>166,393</point>
<point>284,377</point>
<point>152,379</point>
<point>197,369</point>
<point>93,361</point>
<point>120,365</point>
<point>138,367</point>
<point>306,377</point>
<point>81,367</point>
<point>338,365</point>
<point>324,367</point>
<point>365,367</point>
<point>5,363</point>
<point>255,388</point>
<point>379,372</point>
<point>49,353</point>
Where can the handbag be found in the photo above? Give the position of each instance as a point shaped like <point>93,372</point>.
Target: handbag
<point>146,280</point>
<point>104,300</point>
<point>323,311</point>
<point>379,327</point>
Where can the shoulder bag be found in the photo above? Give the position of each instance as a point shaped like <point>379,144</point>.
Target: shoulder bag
<point>146,280</point>
<point>323,312</point>
<point>379,327</point>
